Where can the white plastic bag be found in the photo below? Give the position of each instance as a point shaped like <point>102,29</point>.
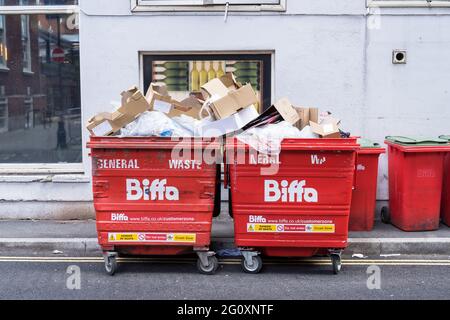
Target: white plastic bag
<point>267,139</point>
<point>154,123</point>
<point>187,123</point>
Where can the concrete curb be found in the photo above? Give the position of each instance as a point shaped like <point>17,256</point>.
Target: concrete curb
<point>72,246</point>
<point>90,247</point>
<point>399,245</point>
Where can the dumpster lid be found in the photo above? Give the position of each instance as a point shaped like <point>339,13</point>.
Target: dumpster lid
<point>416,141</point>
<point>366,143</point>
<point>445,137</point>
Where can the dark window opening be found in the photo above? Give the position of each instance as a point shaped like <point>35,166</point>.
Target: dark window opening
<point>184,74</point>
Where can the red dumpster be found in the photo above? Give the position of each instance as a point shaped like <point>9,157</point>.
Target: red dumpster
<point>415,182</point>
<point>296,204</point>
<point>445,205</point>
<point>362,211</point>
<point>154,196</point>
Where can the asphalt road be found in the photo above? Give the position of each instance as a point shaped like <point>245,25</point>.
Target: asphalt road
<point>46,278</point>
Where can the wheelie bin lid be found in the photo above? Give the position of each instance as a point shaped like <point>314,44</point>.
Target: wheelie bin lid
<point>416,141</point>
<point>418,144</point>
<point>368,146</point>
<point>445,137</point>
<point>366,143</point>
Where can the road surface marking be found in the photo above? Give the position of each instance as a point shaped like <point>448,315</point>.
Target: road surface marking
<point>234,261</point>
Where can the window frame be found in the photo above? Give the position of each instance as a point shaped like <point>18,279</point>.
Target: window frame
<point>266,56</point>
<point>77,168</point>
<point>407,4</point>
<point>143,6</point>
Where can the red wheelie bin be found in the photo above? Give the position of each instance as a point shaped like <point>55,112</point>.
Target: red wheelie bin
<point>154,196</point>
<point>296,204</point>
<point>362,211</point>
<point>415,182</point>
<point>445,205</point>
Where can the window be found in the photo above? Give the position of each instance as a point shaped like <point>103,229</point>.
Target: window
<point>3,47</point>
<point>40,112</point>
<point>208,5</point>
<point>184,74</point>
<point>3,110</point>
<point>26,48</point>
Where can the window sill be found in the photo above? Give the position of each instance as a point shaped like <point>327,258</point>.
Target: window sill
<point>408,4</point>
<point>41,169</point>
<point>55,178</point>
<point>28,72</point>
<point>136,7</point>
<point>4,69</point>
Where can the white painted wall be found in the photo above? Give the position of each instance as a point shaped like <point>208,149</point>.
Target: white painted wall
<point>325,56</point>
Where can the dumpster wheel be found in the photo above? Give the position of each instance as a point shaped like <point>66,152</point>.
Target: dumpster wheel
<point>251,262</point>
<point>211,268</point>
<point>336,262</point>
<point>110,263</point>
<point>385,215</point>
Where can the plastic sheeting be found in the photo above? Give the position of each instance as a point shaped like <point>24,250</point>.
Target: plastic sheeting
<point>155,123</point>
<point>267,139</point>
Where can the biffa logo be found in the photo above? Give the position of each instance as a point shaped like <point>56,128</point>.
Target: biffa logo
<point>289,192</point>
<point>119,217</point>
<point>154,190</point>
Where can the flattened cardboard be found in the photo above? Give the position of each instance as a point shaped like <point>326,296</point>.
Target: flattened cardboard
<point>107,123</point>
<point>233,101</point>
<point>229,124</point>
<point>303,114</point>
<point>306,114</point>
<point>281,110</point>
<point>160,100</point>
<point>329,129</point>
<point>314,114</point>
<point>284,107</point>
<point>214,87</point>
<point>228,96</point>
<point>220,86</point>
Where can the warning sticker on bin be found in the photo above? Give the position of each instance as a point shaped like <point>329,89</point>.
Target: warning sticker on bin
<point>291,228</point>
<point>152,237</point>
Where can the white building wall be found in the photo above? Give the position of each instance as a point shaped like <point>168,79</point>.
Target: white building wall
<point>325,55</point>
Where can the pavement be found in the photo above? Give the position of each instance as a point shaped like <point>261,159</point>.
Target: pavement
<point>78,238</point>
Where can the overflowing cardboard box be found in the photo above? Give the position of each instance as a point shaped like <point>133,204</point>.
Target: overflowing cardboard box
<point>159,100</point>
<point>306,115</point>
<point>227,96</point>
<point>328,128</point>
<point>107,123</point>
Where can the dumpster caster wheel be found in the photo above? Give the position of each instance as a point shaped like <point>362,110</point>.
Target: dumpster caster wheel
<point>211,268</point>
<point>336,262</point>
<point>254,267</point>
<point>111,265</point>
<point>385,215</point>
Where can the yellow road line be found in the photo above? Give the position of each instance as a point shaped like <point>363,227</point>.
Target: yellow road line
<point>227,259</point>
<point>318,261</point>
